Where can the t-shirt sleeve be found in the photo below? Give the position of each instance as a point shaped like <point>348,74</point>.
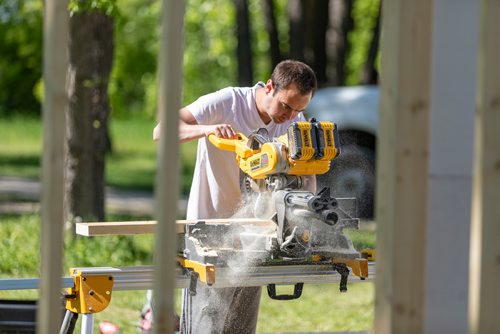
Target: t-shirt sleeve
<point>212,108</point>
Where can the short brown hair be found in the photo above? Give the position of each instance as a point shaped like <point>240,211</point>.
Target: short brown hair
<point>294,72</point>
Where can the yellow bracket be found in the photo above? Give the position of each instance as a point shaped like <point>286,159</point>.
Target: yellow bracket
<point>206,272</point>
<point>369,254</point>
<point>359,266</point>
<point>91,294</point>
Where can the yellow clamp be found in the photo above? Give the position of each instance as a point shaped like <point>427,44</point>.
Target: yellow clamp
<point>206,272</point>
<point>369,254</point>
<point>359,266</point>
<point>91,293</point>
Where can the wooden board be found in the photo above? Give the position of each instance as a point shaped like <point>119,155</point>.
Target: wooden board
<point>484,274</point>
<point>402,169</point>
<point>55,103</point>
<point>149,226</point>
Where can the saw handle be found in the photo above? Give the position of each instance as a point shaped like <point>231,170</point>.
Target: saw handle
<point>225,143</point>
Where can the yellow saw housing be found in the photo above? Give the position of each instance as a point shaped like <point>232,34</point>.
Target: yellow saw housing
<point>306,149</point>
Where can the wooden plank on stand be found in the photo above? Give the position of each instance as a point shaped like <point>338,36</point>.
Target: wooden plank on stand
<point>148,226</point>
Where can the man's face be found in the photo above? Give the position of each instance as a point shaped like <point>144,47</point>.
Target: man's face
<point>285,104</point>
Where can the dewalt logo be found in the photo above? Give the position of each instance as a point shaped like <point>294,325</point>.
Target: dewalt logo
<point>329,138</point>
<point>306,138</point>
<point>255,164</point>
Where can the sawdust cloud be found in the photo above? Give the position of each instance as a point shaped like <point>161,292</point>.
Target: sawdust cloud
<point>252,239</point>
<point>247,239</point>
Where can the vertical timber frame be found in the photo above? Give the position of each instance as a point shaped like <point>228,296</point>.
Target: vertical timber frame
<point>167,182</point>
<point>455,35</point>
<point>402,167</point>
<point>55,63</point>
<point>484,293</point>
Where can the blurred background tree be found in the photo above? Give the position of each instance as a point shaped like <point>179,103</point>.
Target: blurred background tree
<point>333,36</point>
<point>91,51</point>
<point>20,56</point>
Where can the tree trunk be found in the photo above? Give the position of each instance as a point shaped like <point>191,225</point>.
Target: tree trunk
<point>341,24</point>
<point>90,61</point>
<point>370,73</point>
<point>272,30</point>
<point>244,49</point>
<point>316,25</point>
<point>296,18</point>
<point>308,26</point>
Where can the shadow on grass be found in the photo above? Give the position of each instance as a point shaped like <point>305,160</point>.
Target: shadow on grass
<point>32,160</point>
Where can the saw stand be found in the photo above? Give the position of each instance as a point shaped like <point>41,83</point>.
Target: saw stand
<point>89,290</point>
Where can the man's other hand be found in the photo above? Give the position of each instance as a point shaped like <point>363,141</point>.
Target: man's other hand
<point>221,131</point>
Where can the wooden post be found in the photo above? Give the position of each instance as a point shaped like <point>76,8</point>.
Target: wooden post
<point>54,126</point>
<point>167,182</point>
<point>453,87</point>
<point>484,291</point>
<point>402,157</point>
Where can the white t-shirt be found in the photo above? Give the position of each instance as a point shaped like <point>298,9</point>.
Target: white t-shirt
<point>215,191</point>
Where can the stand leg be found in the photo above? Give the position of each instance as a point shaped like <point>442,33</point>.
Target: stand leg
<point>87,323</point>
<point>68,325</point>
<point>65,324</point>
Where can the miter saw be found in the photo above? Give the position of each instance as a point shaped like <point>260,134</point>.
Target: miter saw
<point>302,228</point>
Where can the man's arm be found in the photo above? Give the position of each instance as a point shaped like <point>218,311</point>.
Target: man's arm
<point>189,129</point>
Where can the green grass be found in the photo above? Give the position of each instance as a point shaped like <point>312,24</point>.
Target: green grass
<point>20,242</point>
<point>20,147</point>
<point>321,308</point>
<point>362,238</point>
<point>132,164</point>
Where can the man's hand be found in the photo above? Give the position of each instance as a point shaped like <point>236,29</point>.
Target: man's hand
<point>221,131</point>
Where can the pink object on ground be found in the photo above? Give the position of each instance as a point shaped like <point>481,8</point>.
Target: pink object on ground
<point>108,328</point>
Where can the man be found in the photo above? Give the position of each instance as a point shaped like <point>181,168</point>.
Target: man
<point>215,190</point>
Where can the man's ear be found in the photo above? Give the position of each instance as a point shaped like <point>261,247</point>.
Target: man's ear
<point>269,86</point>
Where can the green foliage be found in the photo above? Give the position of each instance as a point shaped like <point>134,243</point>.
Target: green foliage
<point>364,14</point>
<point>20,55</point>
<point>20,242</point>
<point>16,233</point>
<point>105,251</point>
<point>209,49</point>
<point>260,42</point>
<point>107,7</point>
<point>133,79</point>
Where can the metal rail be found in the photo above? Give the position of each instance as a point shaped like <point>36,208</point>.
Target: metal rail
<point>141,277</point>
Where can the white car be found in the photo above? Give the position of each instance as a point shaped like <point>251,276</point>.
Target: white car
<point>355,111</point>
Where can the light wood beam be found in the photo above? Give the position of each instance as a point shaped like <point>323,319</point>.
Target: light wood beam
<point>167,180</point>
<point>484,291</point>
<point>147,227</point>
<point>55,102</point>
<point>402,166</point>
